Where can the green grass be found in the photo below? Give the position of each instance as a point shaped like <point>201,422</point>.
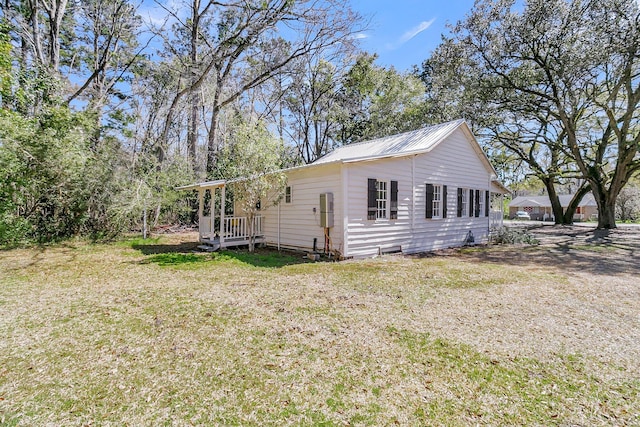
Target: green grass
<point>149,333</point>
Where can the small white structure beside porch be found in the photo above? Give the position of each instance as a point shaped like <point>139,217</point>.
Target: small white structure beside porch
<point>217,230</point>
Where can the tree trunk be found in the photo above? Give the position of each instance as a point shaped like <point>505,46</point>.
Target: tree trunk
<point>252,232</point>
<point>575,202</point>
<point>194,116</point>
<point>606,207</point>
<point>212,144</point>
<point>192,132</point>
<point>556,206</point>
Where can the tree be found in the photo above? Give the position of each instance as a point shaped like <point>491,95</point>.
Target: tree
<point>253,157</point>
<point>628,203</point>
<point>311,100</point>
<point>246,49</point>
<point>378,102</point>
<point>557,83</point>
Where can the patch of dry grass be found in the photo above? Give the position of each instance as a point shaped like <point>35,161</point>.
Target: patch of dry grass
<point>111,335</point>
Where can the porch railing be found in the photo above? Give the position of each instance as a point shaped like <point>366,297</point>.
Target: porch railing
<point>237,227</point>
<point>495,219</point>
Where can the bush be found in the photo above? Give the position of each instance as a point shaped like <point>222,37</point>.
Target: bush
<point>510,236</point>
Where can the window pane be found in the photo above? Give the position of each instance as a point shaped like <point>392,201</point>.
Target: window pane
<point>381,201</point>
<point>437,201</point>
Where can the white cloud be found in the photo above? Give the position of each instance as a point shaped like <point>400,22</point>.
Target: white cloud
<point>415,31</point>
<point>360,36</point>
<point>156,15</point>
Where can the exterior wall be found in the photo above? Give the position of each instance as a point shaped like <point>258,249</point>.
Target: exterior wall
<point>453,163</point>
<point>371,237</point>
<point>298,223</point>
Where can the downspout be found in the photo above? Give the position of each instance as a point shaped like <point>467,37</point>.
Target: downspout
<point>345,210</point>
<point>279,226</point>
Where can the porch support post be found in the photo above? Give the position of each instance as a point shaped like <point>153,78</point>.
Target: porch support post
<point>200,211</point>
<point>212,212</point>
<point>223,203</point>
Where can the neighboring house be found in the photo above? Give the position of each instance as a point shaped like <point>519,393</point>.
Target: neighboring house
<point>539,207</point>
<point>418,191</point>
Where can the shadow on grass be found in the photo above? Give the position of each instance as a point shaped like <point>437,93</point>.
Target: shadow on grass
<point>601,252</point>
<point>185,254</point>
<point>155,248</point>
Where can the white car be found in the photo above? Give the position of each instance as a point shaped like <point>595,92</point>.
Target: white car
<point>522,215</point>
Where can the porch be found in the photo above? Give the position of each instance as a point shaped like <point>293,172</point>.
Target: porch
<point>218,230</point>
<point>235,231</point>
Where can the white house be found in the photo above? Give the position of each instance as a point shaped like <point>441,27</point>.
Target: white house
<point>418,191</point>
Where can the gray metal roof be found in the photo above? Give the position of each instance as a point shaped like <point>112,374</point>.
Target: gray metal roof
<point>543,201</point>
<point>404,144</point>
<point>416,141</point>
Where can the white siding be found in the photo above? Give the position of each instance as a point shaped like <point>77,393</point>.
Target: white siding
<point>299,224</point>
<point>456,164</point>
<point>453,163</point>
<point>369,237</point>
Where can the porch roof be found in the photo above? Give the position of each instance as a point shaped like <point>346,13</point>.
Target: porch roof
<point>207,184</point>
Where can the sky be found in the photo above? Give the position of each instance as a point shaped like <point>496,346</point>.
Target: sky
<point>402,32</point>
<point>405,32</point>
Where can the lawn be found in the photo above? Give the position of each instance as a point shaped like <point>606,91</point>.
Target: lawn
<point>149,333</point>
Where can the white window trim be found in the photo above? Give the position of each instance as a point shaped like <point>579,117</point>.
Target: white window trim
<point>386,200</point>
<point>481,202</point>
<point>290,188</point>
<point>465,202</point>
<point>436,205</point>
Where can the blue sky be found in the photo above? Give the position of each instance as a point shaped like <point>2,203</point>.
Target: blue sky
<point>404,32</point>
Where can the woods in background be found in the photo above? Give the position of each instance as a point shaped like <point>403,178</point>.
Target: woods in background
<point>104,110</point>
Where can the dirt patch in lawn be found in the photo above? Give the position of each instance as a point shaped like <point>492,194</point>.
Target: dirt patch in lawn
<point>573,248</point>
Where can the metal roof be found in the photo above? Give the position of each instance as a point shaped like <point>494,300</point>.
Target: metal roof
<point>543,201</point>
<point>417,141</point>
<point>208,184</point>
<point>404,144</point>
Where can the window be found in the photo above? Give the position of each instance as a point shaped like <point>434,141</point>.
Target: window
<point>436,201</point>
<point>481,202</point>
<point>463,202</point>
<point>382,199</point>
<point>287,194</point>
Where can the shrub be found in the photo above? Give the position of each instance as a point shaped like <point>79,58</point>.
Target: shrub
<point>510,236</point>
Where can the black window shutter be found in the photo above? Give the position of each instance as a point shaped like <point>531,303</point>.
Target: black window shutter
<point>429,205</point>
<point>486,203</point>
<point>372,195</point>
<point>477,203</point>
<point>393,214</point>
<point>444,201</point>
<point>459,202</point>
<point>471,203</point>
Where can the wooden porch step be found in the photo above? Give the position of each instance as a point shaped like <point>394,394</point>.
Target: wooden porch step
<point>208,248</point>
<point>212,245</point>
